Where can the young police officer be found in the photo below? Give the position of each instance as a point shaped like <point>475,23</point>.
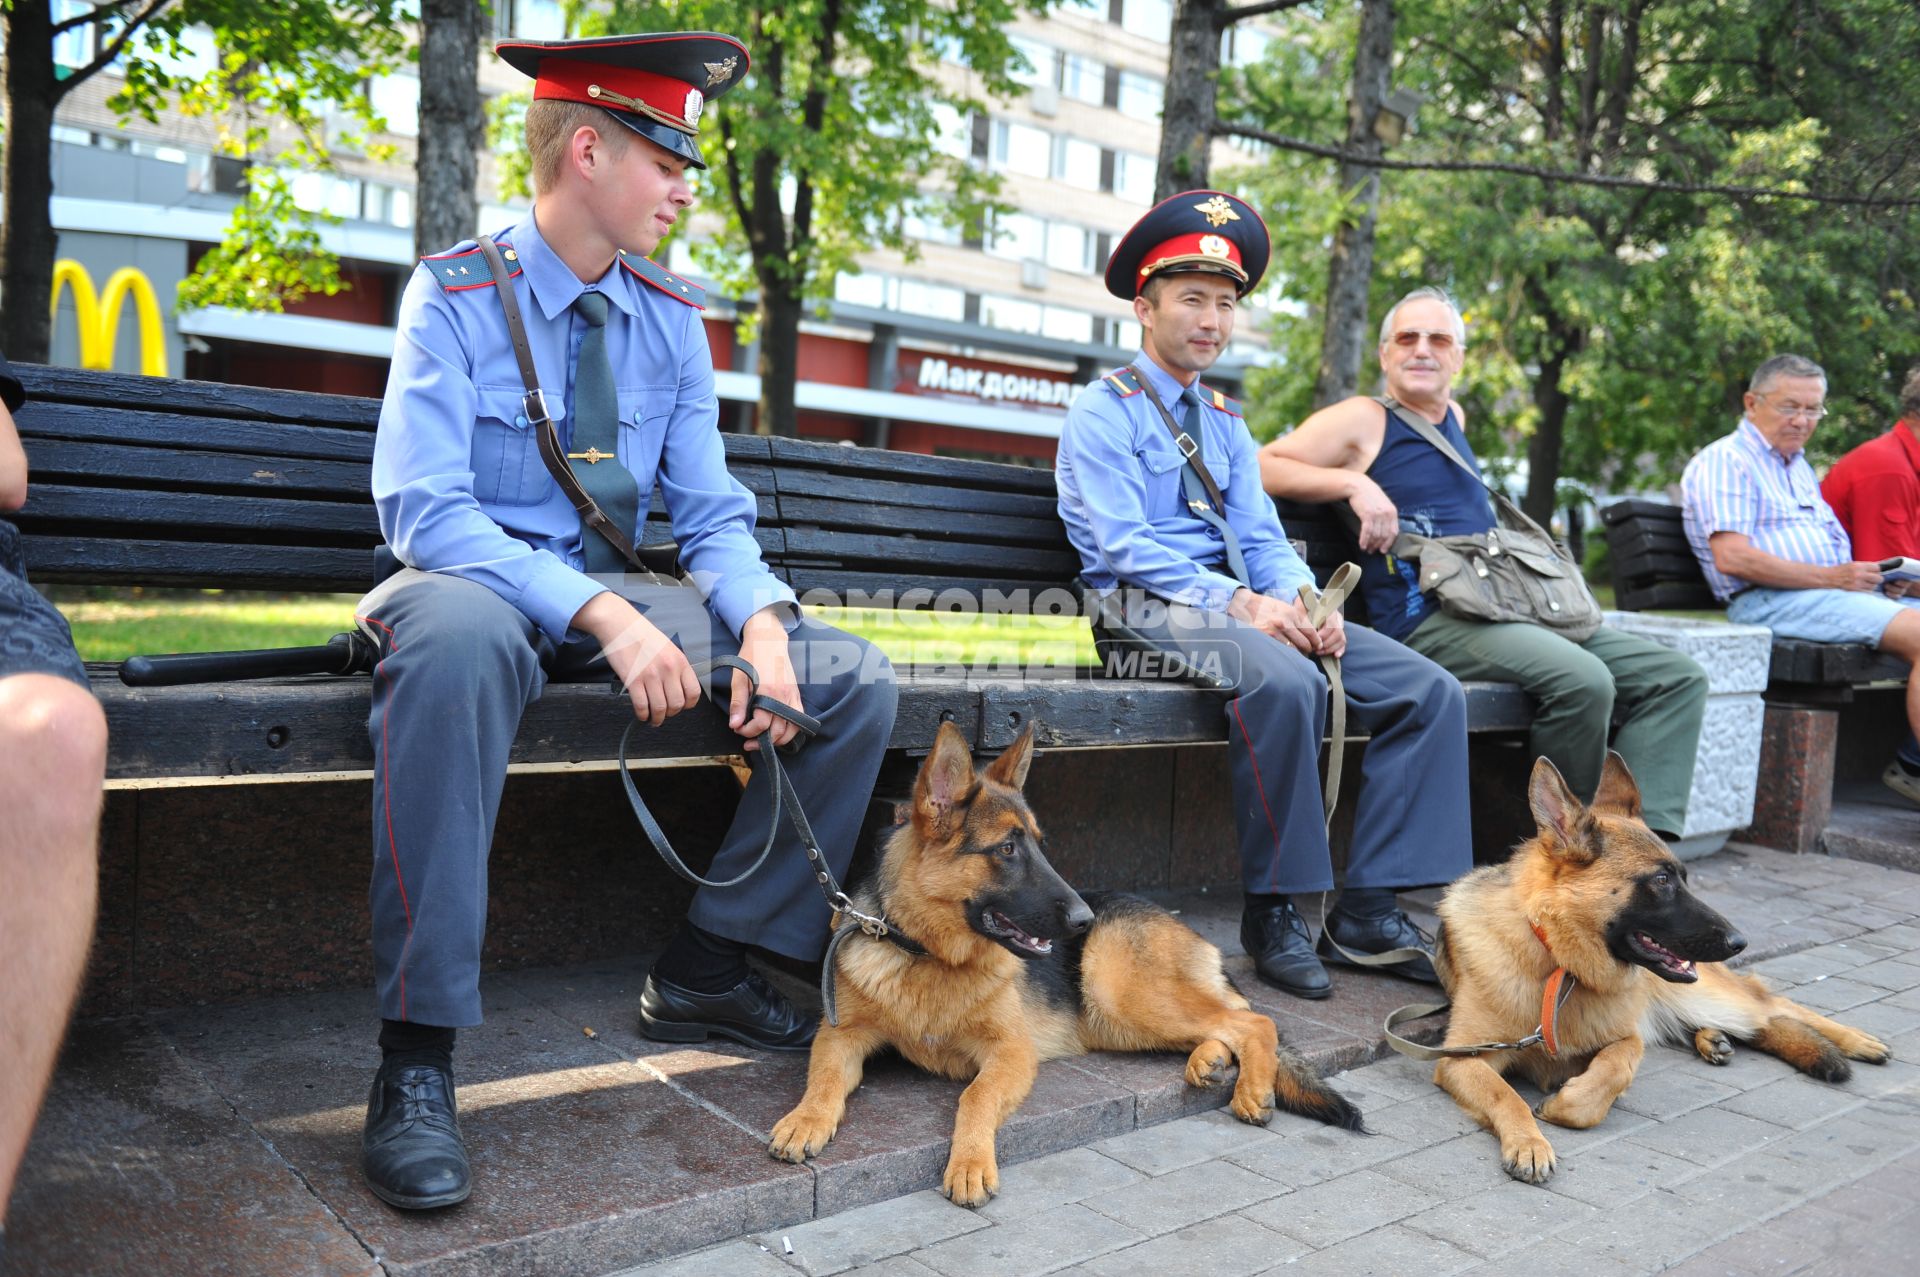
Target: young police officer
<point>505,586</point>
<point>1224,582</point>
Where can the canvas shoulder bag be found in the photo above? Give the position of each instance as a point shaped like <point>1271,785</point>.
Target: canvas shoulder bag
<point>1514,571</point>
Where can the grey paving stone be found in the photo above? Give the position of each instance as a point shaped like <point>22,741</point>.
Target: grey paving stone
<point>898,1266</point>
<point>739,1257</point>
<point>1493,1221</point>
<point>1884,1019</point>
<point>1316,1155</point>
<point>1556,1258</point>
<point>1389,1250</point>
<point>1617,1173</point>
<point>1890,973</point>
<point>1900,1075</point>
<point>1872,918</point>
<point>1460,1167</point>
<point>1569,1142</point>
<point>1750,1067</point>
<point>1184,1197</point>
<point>1654,1231</point>
<point>1038,1244</point>
<point>871,1233</point>
<point>1396,1077</point>
<point>1324,1214</point>
<point>1230,1246</point>
<point>1671,1092</point>
<point>1709,1136</point>
<point>1794,1101</point>
<point>1836,993</point>
<point>1905,936</point>
<point>1432,1119</point>
<point>1054,1180</point>
<point>1847,1146</point>
<point>1751,1254</point>
<point>1155,1150</point>
<point>1868,1202</point>
<point>1798,968</point>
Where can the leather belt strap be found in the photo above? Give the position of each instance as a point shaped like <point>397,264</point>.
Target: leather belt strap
<point>784,798</point>
<point>540,418</point>
<point>1553,997</point>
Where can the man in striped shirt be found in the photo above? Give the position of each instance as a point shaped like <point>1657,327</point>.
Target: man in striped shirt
<point>1774,551</point>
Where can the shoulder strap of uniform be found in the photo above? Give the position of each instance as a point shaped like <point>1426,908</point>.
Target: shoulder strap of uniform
<point>1125,382</point>
<point>463,267</point>
<point>1229,406</point>
<point>681,290</point>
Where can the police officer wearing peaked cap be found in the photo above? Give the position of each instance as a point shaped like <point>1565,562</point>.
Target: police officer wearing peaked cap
<point>1220,583</point>
<point>506,588</point>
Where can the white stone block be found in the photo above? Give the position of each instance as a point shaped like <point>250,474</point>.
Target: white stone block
<point>1737,658</point>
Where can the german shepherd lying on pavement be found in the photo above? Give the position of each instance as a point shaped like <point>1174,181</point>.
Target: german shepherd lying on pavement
<point>1019,968</point>
<point>1597,893</point>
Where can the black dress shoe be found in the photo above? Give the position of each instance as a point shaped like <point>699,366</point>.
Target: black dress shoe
<point>411,1152</point>
<point>1377,935</point>
<point>1282,951</point>
<point>752,1012</point>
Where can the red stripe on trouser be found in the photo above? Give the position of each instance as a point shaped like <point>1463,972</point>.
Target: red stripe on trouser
<point>1253,761</point>
<point>386,802</point>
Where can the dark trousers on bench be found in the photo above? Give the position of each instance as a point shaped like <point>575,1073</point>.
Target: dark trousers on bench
<point>1410,818</point>
<point>459,665</point>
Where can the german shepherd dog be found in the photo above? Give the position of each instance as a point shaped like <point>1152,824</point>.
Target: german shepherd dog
<point>1019,968</point>
<point>1596,892</point>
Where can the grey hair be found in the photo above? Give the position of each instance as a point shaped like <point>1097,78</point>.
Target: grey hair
<point>1425,293</point>
<point>1783,366</point>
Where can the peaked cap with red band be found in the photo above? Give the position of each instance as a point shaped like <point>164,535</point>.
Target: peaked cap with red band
<point>657,85</point>
<point>1207,231</point>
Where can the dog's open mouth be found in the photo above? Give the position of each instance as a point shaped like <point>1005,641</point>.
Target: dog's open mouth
<point>1663,961</point>
<point>1001,927</point>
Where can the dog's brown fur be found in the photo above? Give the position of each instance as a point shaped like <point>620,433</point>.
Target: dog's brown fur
<point>1589,877</point>
<point>975,1008</point>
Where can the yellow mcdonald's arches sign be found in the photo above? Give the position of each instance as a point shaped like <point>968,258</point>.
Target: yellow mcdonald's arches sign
<point>99,315</point>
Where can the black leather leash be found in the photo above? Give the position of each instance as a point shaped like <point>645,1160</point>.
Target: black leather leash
<point>784,798</point>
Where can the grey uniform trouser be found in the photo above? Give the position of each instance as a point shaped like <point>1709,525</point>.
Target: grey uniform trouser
<point>1411,825</point>
<point>458,667</point>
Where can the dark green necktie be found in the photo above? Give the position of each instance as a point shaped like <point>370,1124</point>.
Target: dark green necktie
<point>1196,492</point>
<point>594,454</point>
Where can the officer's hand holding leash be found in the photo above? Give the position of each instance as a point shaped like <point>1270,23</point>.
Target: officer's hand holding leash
<point>656,674</point>
<point>763,645</point>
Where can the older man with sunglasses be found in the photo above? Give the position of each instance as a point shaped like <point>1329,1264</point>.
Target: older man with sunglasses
<point>1776,553</point>
<point>1363,452</point>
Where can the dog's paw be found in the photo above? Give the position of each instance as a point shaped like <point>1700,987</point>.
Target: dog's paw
<point>1577,1110</point>
<point>1252,1106</point>
<point>1713,1046</point>
<point>970,1181</point>
<point>1528,1158</point>
<point>1208,1064</point>
<point>799,1135</point>
<point>1864,1046</point>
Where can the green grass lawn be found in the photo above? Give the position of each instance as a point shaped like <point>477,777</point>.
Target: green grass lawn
<point>113,625</point>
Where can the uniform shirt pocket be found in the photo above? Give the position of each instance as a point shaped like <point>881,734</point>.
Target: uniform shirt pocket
<point>507,469</point>
<point>644,413</point>
<point>1162,473</point>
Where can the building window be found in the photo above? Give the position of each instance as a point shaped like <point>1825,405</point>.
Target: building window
<point>934,301</point>
<point>1043,62</point>
<point>1077,162</point>
<point>1083,78</point>
<point>531,19</point>
<point>1150,18</point>
<point>1018,237</point>
<point>390,205</point>
<point>1141,96</point>
<point>1242,45</point>
<point>1010,314</point>
<point>1070,248</point>
<point>396,98</point>
<point>1066,325</point>
<point>1019,148</point>
<point>864,289</point>
<point>325,193</point>
<point>952,131</point>
<point>1133,177</point>
<point>929,230</point>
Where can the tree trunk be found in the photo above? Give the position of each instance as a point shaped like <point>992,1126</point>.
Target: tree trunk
<point>446,206</point>
<point>1543,450</point>
<point>1186,118</point>
<point>27,242</point>
<point>779,358</point>
<point>1343,342</point>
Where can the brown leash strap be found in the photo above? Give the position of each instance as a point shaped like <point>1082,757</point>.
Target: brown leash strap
<point>1553,997</point>
<point>540,417</point>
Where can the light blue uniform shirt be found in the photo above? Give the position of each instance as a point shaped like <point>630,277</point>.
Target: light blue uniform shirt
<point>1118,473</point>
<point>1742,483</point>
<point>457,475</point>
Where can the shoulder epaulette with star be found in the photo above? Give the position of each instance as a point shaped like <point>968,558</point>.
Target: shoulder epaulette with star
<point>1229,406</point>
<point>464,266</point>
<point>1125,382</point>
<point>681,290</point>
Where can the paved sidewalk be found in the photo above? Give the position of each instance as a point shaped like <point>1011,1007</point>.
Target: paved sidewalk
<point>1743,1169</point>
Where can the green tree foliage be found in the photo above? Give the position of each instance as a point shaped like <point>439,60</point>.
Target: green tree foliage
<point>1613,329</point>
<point>285,76</point>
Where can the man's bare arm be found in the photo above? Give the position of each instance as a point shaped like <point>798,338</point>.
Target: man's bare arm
<point>1325,459</point>
<point>1735,554</point>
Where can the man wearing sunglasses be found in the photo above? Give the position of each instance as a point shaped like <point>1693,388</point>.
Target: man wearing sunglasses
<point>1363,452</point>
<point>1775,551</point>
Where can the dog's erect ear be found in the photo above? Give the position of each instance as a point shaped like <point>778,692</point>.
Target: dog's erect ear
<point>1010,768</point>
<point>1561,818</point>
<point>1619,795</point>
<point>946,776</point>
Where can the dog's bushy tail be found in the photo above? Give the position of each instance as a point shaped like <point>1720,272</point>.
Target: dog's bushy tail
<point>1301,1091</point>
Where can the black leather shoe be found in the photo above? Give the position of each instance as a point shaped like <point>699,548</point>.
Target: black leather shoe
<point>411,1152</point>
<point>1282,951</point>
<point>752,1012</point>
<point>1377,935</point>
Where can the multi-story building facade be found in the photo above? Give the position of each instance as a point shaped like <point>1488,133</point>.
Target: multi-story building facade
<point>975,348</point>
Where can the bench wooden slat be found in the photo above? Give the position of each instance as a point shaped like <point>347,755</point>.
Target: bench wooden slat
<point>168,431</point>
<point>196,398</point>
<point>196,470</point>
<point>878,463</point>
<point>88,560</point>
<point>924,521</point>
<point>909,589</point>
<point>867,550</point>
<point>277,519</point>
<point>892,494</point>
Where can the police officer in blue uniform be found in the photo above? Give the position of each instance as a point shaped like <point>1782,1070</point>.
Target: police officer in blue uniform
<point>1221,586</point>
<point>506,586</point>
